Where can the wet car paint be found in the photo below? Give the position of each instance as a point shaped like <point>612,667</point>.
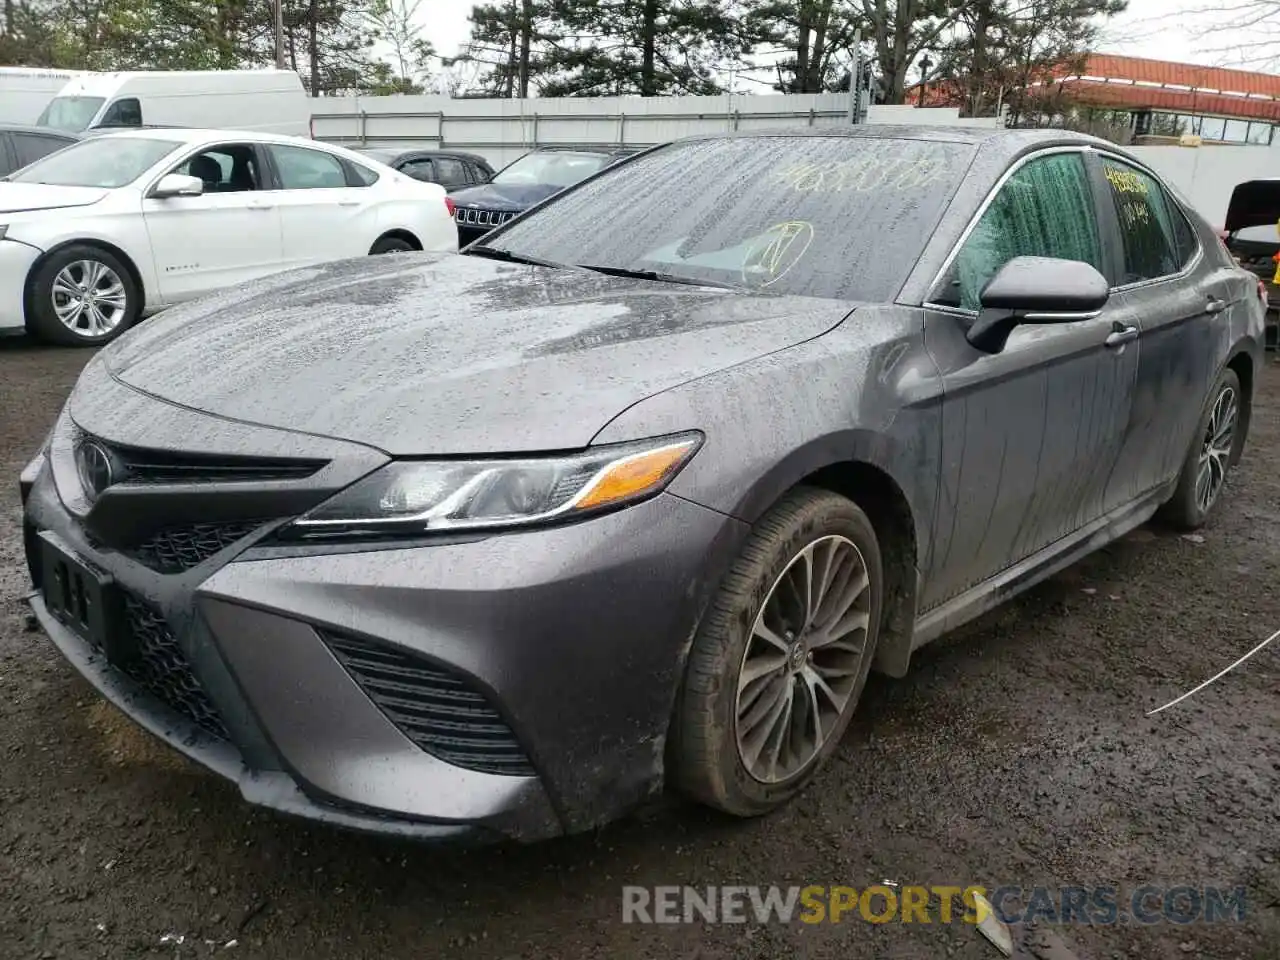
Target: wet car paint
<point>968,461</point>
<point>444,354</point>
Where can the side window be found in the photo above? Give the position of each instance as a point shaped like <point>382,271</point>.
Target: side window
<point>419,169</point>
<point>304,169</point>
<point>449,170</point>
<point>123,113</point>
<point>364,177</point>
<point>31,147</point>
<point>227,168</point>
<point>1148,230</point>
<point>1184,236</point>
<point>1045,209</point>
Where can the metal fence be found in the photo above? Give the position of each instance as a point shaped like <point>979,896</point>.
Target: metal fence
<point>501,130</point>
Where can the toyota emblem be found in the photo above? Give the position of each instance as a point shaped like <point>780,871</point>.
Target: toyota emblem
<point>96,468</point>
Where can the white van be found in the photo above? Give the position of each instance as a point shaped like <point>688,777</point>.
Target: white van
<point>25,91</point>
<point>260,101</point>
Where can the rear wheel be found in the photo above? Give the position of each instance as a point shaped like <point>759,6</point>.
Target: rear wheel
<point>81,296</point>
<point>391,245</point>
<point>779,663</point>
<point>1212,453</point>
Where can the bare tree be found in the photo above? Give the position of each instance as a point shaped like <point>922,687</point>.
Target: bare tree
<point>396,23</point>
<point>1246,32</point>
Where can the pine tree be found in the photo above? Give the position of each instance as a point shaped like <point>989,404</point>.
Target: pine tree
<point>648,48</point>
<point>817,36</point>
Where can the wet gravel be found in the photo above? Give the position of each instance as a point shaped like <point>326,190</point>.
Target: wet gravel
<point>1015,753</point>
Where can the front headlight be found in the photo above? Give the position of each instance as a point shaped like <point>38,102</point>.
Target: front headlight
<point>408,498</point>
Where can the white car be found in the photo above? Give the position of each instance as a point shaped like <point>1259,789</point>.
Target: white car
<point>119,226</point>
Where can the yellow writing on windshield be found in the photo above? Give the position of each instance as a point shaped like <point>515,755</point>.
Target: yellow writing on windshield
<point>861,175</point>
<point>775,252</point>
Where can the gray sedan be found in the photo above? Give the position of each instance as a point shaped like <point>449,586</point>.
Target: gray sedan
<point>637,491</point>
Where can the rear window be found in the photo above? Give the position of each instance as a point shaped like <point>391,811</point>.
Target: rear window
<point>834,217</point>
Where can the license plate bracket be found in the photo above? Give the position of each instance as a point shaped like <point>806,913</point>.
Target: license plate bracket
<point>84,600</point>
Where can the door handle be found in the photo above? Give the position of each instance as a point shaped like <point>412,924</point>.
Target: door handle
<point>261,206</point>
<point>1215,305</point>
<point>348,203</point>
<point>1120,335</point>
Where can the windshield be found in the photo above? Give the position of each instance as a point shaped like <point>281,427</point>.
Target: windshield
<point>559,168</point>
<point>70,113</point>
<point>102,162</point>
<point>835,217</point>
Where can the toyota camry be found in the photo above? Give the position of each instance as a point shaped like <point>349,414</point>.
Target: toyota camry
<point>634,493</point>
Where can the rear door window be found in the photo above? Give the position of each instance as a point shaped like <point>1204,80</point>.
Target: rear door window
<point>1045,209</point>
<point>449,170</point>
<point>1149,223</point>
<point>420,168</point>
<point>364,177</point>
<point>303,169</point>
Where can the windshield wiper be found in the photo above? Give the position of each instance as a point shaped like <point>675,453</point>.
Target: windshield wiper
<point>506,256</point>
<point>658,276</point>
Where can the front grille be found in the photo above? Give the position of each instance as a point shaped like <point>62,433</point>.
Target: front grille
<point>471,217</point>
<point>138,465</point>
<point>437,710</point>
<point>175,549</point>
<point>160,667</point>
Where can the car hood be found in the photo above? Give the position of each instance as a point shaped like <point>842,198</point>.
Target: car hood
<point>505,196</point>
<point>428,354</point>
<point>22,197</point>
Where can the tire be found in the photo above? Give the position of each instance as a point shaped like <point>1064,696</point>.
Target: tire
<point>706,760</point>
<point>56,309</point>
<point>391,245</point>
<point>1219,438</point>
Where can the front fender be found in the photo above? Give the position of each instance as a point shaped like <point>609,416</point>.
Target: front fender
<point>849,396</point>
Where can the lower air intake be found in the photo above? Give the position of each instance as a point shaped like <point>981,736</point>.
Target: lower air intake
<point>161,668</point>
<point>437,710</point>
<point>176,549</point>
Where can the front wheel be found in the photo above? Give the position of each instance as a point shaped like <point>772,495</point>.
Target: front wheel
<point>1213,451</point>
<point>779,663</point>
<point>81,296</point>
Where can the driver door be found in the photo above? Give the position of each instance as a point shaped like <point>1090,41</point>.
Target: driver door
<point>227,236</point>
<point>1031,433</point>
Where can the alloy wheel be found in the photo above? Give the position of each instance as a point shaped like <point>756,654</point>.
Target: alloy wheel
<point>1215,450</point>
<point>89,298</point>
<point>803,659</point>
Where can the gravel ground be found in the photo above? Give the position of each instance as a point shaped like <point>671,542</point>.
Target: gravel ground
<point>1015,753</point>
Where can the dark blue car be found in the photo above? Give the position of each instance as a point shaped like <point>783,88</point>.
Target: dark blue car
<point>531,179</point>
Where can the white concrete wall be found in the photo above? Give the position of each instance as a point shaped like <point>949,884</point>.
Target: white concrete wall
<point>502,130</point>
<point>1207,175</point>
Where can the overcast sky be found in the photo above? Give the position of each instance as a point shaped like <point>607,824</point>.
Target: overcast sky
<point>1150,28</point>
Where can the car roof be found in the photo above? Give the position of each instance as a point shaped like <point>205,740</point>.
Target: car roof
<point>199,135</point>
<point>398,152</point>
<point>40,131</point>
<point>1018,138</point>
<point>586,148</point>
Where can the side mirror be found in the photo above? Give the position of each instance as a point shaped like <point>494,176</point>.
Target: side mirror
<point>177,185</point>
<point>1036,290</point>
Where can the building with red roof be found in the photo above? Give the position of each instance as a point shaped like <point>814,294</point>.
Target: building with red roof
<point>1218,104</point>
